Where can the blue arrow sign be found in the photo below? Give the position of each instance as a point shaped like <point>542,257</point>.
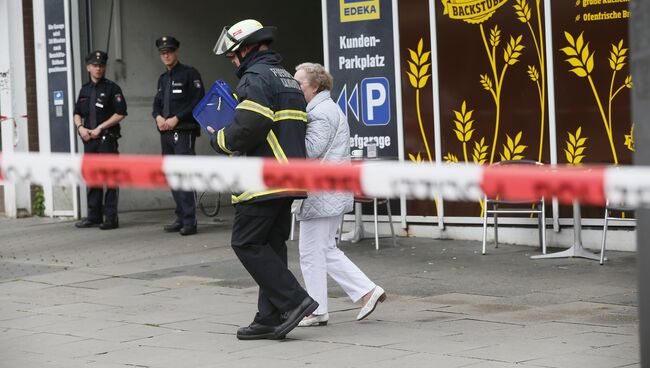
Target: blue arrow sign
<point>343,97</point>
<point>353,101</point>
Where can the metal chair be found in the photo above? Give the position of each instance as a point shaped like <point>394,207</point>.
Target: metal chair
<point>360,199</point>
<point>375,203</point>
<point>514,207</point>
<point>620,209</point>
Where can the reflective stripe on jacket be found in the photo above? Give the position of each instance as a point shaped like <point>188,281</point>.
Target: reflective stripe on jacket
<point>270,120</point>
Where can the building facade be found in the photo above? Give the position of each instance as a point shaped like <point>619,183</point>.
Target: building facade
<point>429,81</point>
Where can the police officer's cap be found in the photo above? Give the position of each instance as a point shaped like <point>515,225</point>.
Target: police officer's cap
<point>97,57</point>
<point>167,43</point>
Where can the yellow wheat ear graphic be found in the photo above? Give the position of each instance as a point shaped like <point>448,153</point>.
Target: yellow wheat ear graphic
<point>513,51</point>
<point>628,82</point>
<point>486,82</point>
<point>617,56</point>
<point>417,159</point>
<point>575,147</point>
<point>629,139</point>
<point>494,83</point>
<point>451,158</point>
<point>582,62</point>
<point>479,156</point>
<point>495,36</point>
<point>536,74</point>
<point>523,11</point>
<point>418,74</point>
<point>512,150</point>
<point>464,129</point>
<point>533,73</point>
<point>579,57</point>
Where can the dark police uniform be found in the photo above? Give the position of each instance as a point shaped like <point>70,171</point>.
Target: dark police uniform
<point>96,103</point>
<point>270,121</point>
<point>179,90</point>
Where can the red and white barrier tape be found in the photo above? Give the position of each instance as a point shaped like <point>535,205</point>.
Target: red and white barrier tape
<point>458,182</point>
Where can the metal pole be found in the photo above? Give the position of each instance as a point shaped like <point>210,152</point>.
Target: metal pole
<point>89,27</point>
<point>550,72</point>
<point>640,63</point>
<point>435,86</point>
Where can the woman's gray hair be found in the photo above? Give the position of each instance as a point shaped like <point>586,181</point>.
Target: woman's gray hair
<point>317,75</point>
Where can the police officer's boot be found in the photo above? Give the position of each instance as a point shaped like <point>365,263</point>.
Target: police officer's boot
<point>87,223</point>
<point>188,230</point>
<point>109,224</point>
<point>173,227</point>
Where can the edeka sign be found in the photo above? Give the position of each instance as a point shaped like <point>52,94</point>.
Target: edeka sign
<point>471,11</point>
<point>361,59</point>
<point>356,10</point>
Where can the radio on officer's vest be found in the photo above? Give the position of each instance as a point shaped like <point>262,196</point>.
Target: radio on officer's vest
<point>217,108</point>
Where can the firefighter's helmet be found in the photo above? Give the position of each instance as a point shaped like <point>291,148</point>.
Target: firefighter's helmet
<point>245,32</point>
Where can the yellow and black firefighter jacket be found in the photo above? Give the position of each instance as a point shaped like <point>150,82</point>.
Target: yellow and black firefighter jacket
<point>270,119</point>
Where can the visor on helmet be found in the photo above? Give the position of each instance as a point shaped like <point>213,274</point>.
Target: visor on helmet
<point>226,43</point>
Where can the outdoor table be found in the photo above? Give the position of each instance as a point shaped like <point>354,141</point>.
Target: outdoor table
<point>576,250</point>
<point>358,233</point>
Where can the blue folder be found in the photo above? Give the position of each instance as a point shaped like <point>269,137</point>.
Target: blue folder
<point>217,108</point>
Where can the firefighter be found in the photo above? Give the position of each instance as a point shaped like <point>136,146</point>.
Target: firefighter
<point>98,112</point>
<point>179,89</point>
<point>270,121</point>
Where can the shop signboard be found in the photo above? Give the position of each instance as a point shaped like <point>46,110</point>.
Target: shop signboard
<point>360,53</point>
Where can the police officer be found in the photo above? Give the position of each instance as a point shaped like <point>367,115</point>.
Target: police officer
<point>270,121</point>
<point>97,115</point>
<point>179,89</point>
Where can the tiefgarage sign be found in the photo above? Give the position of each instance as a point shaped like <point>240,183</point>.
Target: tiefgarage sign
<point>360,49</point>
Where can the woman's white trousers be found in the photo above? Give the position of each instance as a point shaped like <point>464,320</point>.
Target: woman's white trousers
<point>320,257</point>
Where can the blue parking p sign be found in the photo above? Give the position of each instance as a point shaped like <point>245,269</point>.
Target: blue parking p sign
<point>375,99</point>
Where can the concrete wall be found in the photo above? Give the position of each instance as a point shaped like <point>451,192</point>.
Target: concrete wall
<point>197,24</point>
<point>640,62</point>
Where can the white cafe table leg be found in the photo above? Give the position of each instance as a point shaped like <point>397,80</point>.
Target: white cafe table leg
<point>358,222</point>
<point>374,207</point>
<point>576,250</point>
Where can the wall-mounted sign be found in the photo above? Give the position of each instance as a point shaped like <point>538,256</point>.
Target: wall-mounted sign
<point>57,40</point>
<point>361,61</point>
<point>355,10</point>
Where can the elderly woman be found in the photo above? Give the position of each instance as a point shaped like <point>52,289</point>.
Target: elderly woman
<point>328,139</point>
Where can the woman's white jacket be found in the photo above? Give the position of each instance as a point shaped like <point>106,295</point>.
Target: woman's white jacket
<point>327,139</point>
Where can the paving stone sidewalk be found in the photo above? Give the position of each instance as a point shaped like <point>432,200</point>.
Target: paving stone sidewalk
<point>138,297</point>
